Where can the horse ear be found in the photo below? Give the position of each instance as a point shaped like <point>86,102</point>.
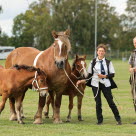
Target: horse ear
<point>54,34</point>
<point>67,32</point>
<point>84,56</point>
<point>76,56</point>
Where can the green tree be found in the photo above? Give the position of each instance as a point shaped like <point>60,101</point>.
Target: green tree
<point>35,25</point>
<point>33,28</point>
<point>129,25</point>
<point>79,16</point>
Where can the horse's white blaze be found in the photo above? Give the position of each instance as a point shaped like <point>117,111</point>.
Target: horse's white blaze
<point>84,69</point>
<point>60,46</point>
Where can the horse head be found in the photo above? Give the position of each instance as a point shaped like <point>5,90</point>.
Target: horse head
<point>79,66</point>
<point>62,47</point>
<point>40,82</point>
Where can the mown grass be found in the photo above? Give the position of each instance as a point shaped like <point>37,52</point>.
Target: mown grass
<point>76,128</point>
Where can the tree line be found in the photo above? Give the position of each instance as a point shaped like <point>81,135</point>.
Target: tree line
<point>33,28</point>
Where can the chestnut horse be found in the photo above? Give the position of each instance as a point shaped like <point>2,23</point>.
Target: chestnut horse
<point>78,72</point>
<point>12,82</point>
<point>52,61</point>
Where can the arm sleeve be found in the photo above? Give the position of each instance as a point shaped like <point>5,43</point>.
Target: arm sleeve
<point>111,71</point>
<point>89,71</point>
<point>129,61</point>
<point>90,68</point>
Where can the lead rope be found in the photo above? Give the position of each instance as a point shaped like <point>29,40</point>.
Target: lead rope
<point>77,87</point>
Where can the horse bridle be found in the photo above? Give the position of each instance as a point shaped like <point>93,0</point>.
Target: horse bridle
<point>37,88</point>
<point>79,71</point>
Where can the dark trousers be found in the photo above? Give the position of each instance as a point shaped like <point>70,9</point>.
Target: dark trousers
<point>108,95</point>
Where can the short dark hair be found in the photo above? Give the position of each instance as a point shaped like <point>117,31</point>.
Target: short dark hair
<point>102,46</point>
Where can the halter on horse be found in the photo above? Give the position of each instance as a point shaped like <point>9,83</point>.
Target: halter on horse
<point>22,76</point>
<point>78,72</point>
<point>52,61</point>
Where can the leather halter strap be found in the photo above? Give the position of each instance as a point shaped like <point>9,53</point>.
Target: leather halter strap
<point>37,88</point>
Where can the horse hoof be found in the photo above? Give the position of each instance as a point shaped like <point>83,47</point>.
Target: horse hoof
<point>23,117</point>
<point>46,114</point>
<point>37,121</point>
<point>80,120</point>
<point>21,122</point>
<point>67,121</point>
<point>13,118</point>
<point>56,121</point>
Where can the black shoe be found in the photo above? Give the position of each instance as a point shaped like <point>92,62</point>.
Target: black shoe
<point>119,122</point>
<point>99,123</point>
<point>134,123</point>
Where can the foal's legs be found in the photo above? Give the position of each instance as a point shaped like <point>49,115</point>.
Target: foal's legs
<point>2,104</point>
<point>70,108</point>
<point>79,101</point>
<point>18,109</point>
<point>22,113</point>
<point>38,115</point>
<point>50,99</point>
<point>12,109</point>
<point>47,105</point>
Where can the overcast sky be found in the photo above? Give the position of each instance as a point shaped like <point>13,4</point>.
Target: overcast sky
<point>12,8</point>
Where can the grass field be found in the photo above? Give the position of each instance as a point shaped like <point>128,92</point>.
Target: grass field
<point>76,128</point>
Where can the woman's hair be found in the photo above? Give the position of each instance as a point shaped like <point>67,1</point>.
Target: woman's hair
<point>102,46</point>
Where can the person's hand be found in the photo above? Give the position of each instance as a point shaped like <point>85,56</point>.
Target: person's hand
<point>80,82</point>
<point>132,70</point>
<point>101,76</point>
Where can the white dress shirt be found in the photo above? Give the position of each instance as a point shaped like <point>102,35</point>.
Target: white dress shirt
<point>97,70</point>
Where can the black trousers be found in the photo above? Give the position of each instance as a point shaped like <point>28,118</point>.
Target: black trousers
<point>108,95</point>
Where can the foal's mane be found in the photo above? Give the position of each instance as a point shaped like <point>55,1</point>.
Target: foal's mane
<point>75,60</point>
<point>28,68</point>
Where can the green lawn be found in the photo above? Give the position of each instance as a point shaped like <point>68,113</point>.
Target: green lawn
<point>76,128</point>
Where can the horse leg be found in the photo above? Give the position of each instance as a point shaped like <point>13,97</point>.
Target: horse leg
<point>38,115</point>
<point>70,108</point>
<point>79,100</point>
<point>2,104</point>
<point>52,101</point>
<point>52,104</point>
<point>21,110</point>
<point>47,104</point>
<point>57,119</point>
<point>18,109</point>
<point>49,99</point>
<point>22,113</point>
<point>13,116</point>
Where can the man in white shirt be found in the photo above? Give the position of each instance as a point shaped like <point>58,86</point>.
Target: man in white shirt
<point>132,69</point>
<point>132,58</point>
<point>100,73</point>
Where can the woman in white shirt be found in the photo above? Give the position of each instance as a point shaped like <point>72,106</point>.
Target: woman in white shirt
<point>100,74</point>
